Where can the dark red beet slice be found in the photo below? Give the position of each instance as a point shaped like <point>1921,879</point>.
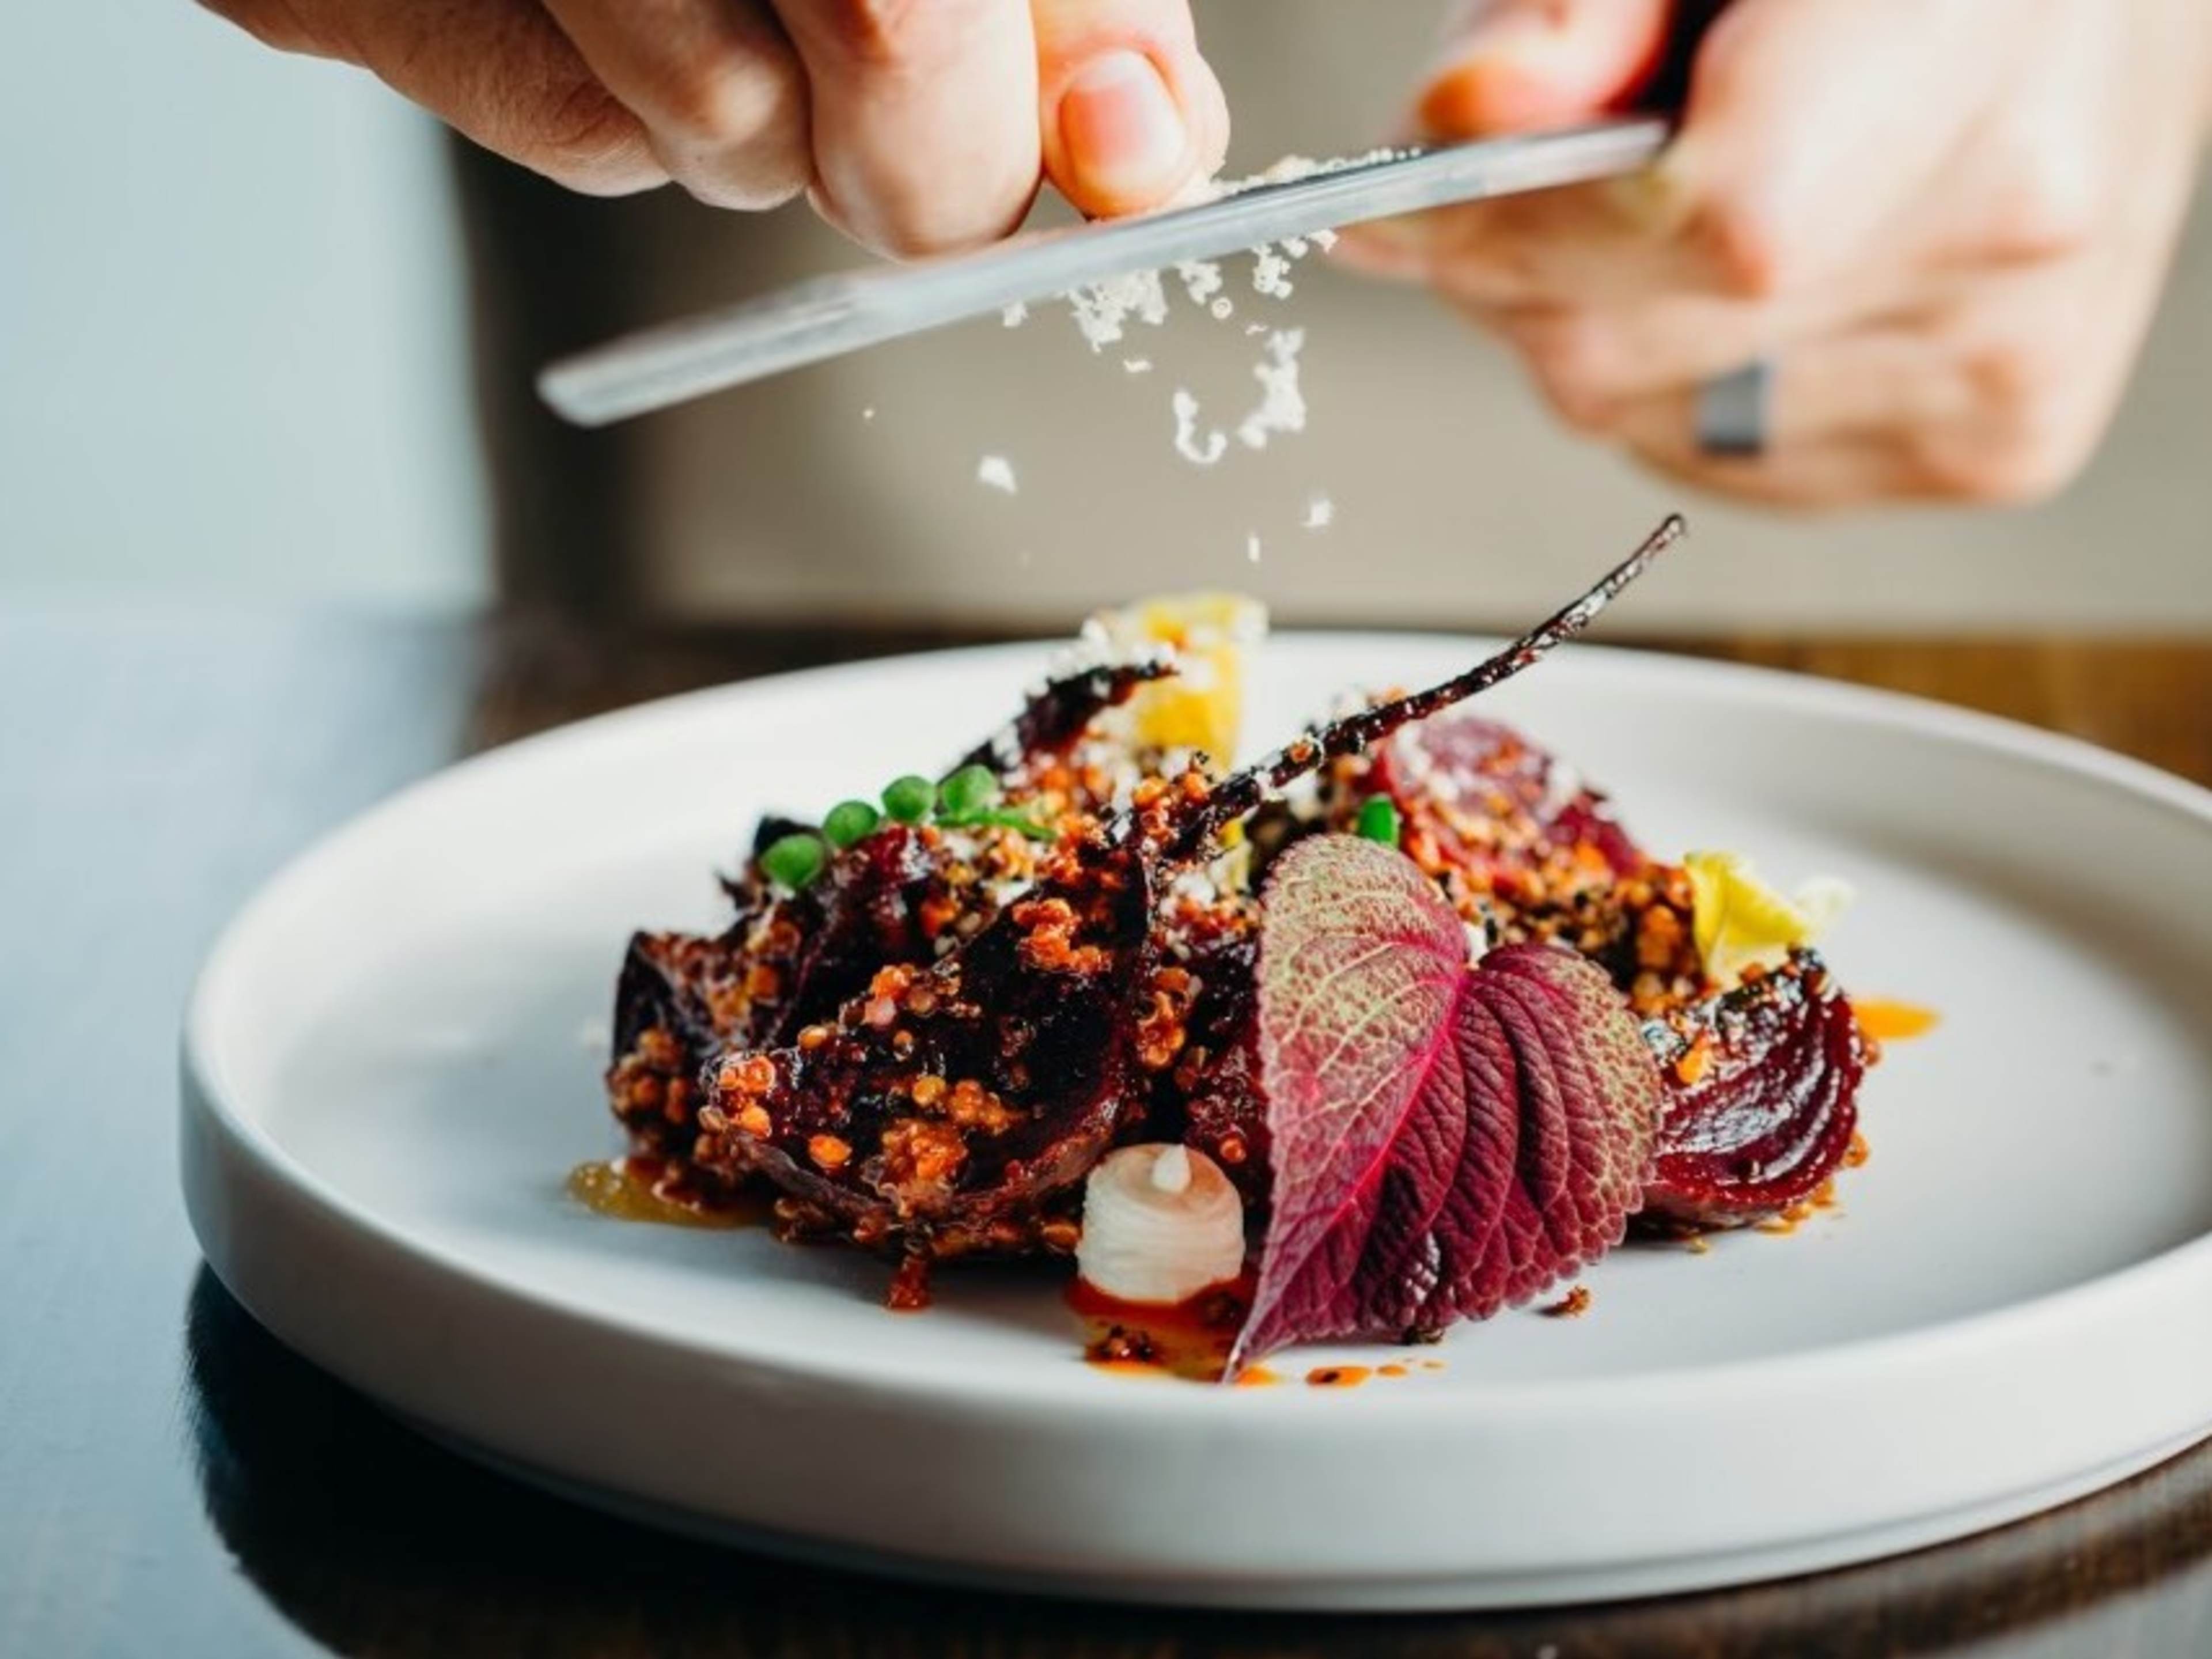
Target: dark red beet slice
<point>1495,802</point>
<point>1762,1087</point>
<point>1052,720</point>
<point>668,1005</point>
<point>963,1093</point>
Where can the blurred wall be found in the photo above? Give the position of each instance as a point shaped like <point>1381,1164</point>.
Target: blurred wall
<point>232,350</point>
<point>1456,499</point>
<point>232,357</point>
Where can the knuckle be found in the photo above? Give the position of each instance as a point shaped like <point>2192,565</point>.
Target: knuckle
<point>729,104</point>
<point>2008,380</point>
<point>2021,467</point>
<point>588,141</point>
<point>1570,356</point>
<point>908,221</point>
<point>890,32</point>
<point>2042,218</point>
<point>1744,248</point>
<point>747,190</point>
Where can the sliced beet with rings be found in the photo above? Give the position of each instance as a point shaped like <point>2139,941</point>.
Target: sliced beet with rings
<point>1761,1104</point>
<point>1495,802</point>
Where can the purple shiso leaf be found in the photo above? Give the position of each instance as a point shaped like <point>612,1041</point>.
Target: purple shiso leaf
<point>1448,1139</point>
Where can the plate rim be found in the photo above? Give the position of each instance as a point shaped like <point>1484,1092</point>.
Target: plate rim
<point>206,1092</point>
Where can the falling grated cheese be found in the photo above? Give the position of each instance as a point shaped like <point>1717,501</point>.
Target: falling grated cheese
<point>1188,443</point>
<point>1103,310</point>
<point>998,473</point>
<point>1320,512</point>
<point>1014,315</point>
<point>1252,547</point>
<point>1282,404</point>
<point>1271,271</point>
<point>1201,279</point>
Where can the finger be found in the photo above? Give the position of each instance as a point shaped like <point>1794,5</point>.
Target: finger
<point>1824,478</point>
<point>1591,245</point>
<point>716,84</point>
<point>1597,357</point>
<point>1808,131</point>
<point>1130,112</point>
<point>1512,65</point>
<point>1809,138</point>
<point>923,116</point>
<point>499,72</point>
<point>1870,383</point>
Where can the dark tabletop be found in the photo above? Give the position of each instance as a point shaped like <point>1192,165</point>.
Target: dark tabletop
<point>173,1482</point>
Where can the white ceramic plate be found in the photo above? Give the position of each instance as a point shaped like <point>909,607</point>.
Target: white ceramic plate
<point>393,1062</point>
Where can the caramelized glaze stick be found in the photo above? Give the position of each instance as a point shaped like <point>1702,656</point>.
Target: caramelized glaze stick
<point>1249,789</point>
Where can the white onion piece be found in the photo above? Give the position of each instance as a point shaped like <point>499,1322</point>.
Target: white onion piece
<point>1160,1223</point>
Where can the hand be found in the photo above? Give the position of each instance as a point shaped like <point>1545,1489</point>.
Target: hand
<point>915,124</point>
<point>1944,222</point>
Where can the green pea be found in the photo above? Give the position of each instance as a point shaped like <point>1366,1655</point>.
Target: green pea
<point>796,861</point>
<point>970,790</point>
<point>850,822</point>
<point>909,799</point>
<point>1378,819</point>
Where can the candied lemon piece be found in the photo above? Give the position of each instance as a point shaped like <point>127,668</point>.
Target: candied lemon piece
<point>1739,920</point>
<point>1202,708</point>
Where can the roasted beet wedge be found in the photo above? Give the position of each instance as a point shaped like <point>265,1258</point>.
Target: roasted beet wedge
<point>1762,1087</point>
<point>677,1002</point>
<point>945,1104</point>
<point>1500,808</point>
<point>1522,847</point>
<point>792,959</point>
<point>1055,720</point>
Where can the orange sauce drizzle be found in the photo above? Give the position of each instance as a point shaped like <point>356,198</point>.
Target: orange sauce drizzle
<point>1894,1021</point>
<point>640,1188</point>
<point>1189,1339</point>
<point>1337,1376</point>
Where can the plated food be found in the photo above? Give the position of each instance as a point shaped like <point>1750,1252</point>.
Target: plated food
<point>386,1080</point>
<point>1399,1027</point>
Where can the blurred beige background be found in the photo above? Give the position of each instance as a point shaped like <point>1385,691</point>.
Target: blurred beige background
<point>235,363</point>
<point>1456,499</point>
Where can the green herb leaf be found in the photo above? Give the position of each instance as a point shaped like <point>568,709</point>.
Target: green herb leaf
<point>796,861</point>
<point>1009,819</point>
<point>909,799</point>
<point>850,822</point>
<point>1379,820</point>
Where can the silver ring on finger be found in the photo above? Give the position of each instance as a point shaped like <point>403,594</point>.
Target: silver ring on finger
<point>1735,411</point>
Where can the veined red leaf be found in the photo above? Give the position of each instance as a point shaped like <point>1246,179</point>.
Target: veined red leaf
<point>1448,1139</point>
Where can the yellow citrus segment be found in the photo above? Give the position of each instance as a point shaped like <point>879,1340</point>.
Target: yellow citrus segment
<point>1739,920</point>
<point>1202,708</point>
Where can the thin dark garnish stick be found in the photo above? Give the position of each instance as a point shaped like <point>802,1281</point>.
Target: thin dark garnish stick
<point>1249,789</point>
